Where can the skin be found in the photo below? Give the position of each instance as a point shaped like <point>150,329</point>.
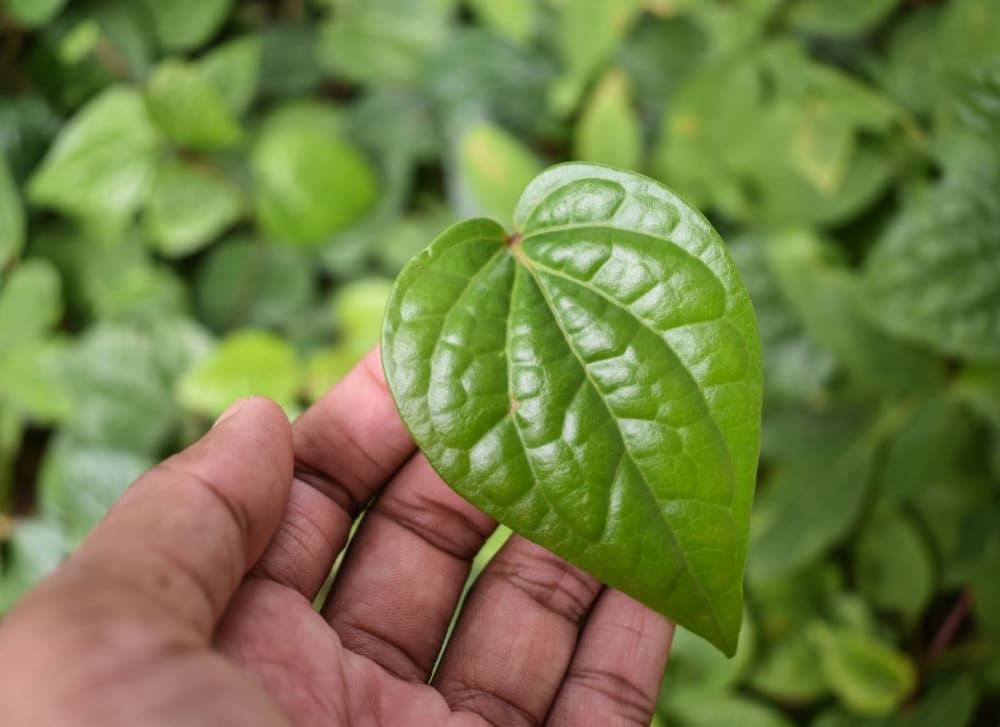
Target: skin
<point>191,603</point>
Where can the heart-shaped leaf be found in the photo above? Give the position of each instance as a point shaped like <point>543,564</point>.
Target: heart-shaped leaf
<point>593,381</point>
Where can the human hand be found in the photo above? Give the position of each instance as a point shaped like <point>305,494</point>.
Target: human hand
<point>191,603</point>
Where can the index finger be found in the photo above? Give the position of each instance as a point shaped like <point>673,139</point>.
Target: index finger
<point>347,446</point>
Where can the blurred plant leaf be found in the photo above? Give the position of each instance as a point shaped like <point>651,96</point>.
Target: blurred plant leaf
<point>814,495</point>
<point>790,670</point>
<point>30,303</point>
<point>932,277</point>
<point>839,18</point>
<point>33,13</point>
<point>893,565</point>
<point>493,169</point>
<point>326,367</point>
<point>608,131</point>
<point>869,676</point>
<point>102,164</point>
<point>516,20</point>
<point>233,70</point>
<point>189,207</point>
<point>79,482</point>
<point>246,363</point>
<point>709,708</point>
<point>358,309</point>
<point>309,185</point>
<point>32,550</point>
<point>31,380</point>
<point>189,109</point>
<point>186,24</point>
<point>12,222</point>
<point>382,41</point>
<point>247,283</point>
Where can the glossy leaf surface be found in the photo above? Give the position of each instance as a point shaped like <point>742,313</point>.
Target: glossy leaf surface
<point>594,382</point>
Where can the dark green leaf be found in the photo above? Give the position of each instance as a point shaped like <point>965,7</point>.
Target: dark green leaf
<point>247,283</point>
<point>839,18</point>
<point>11,217</point>
<point>893,565</point>
<point>594,383</point>
<point>932,278</point>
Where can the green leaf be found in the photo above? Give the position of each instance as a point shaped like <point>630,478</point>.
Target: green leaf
<point>247,283</point>
<point>839,18</point>
<point>186,24</point>
<point>709,708</point>
<point>33,550</point>
<point>79,482</point>
<point>189,108</point>
<point>814,496</point>
<point>932,277</point>
<point>593,382</point>
<point>870,677</point>
<point>893,565</point>
<point>102,164</point>
<point>789,671</point>
<point>189,207</point>
<point>34,13</point>
<point>608,131</point>
<point>359,308</point>
<point>494,167</point>
<point>309,184</point>
<point>30,303</point>
<point>12,221</point>
<point>121,394</point>
<point>383,41</point>
<point>694,663</point>
<point>32,381</point>
<point>246,363</point>
<point>952,703</point>
<point>326,367</point>
<point>233,69</point>
<point>514,19</point>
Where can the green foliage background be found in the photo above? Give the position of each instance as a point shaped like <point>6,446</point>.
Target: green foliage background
<point>200,200</point>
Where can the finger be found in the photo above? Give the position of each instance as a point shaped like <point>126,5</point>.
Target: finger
<point>181,539</point>
<point>347,446</point>
<point>614,677</point>
<point>515,636</point>
<point>397,589</point>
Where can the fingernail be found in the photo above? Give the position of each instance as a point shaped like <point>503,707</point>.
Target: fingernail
<point>229,412</point>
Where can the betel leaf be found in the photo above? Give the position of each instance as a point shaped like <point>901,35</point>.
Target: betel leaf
<point>933,277</point>
<point>184,24</point>
<point>189,109</point>
<point>593,381</point>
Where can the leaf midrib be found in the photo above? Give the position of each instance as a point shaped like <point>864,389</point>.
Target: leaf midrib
<point>526,263</point>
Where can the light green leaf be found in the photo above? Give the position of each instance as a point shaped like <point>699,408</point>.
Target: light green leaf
<point>789,671</point>
<point>246,363</point>
<point>247,283</point>
<point>309,185</point>
<point>493,168</point>
<point>932,278</point>
<point>593,382</point>
<point>870,677</point>
<point>893,565</point>
<point>32,381</point>
<point>11,217</point>
<point>120,391</point>
<point>30,303</point>
<point>189,207</point>
<point>34,13</point>
<point>189,108</point>
<point>608,131</point>
<point>233,69</point>
<point>513,19</point>
<point>326,367</point>
<point>694,664</point>
<point>709,708</point>
<point>102,164</point>
<point>79,482</point>
<point>186,24</point>
<point>359,308</point>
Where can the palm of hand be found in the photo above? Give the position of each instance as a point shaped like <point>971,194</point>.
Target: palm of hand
<point>192,601</point>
